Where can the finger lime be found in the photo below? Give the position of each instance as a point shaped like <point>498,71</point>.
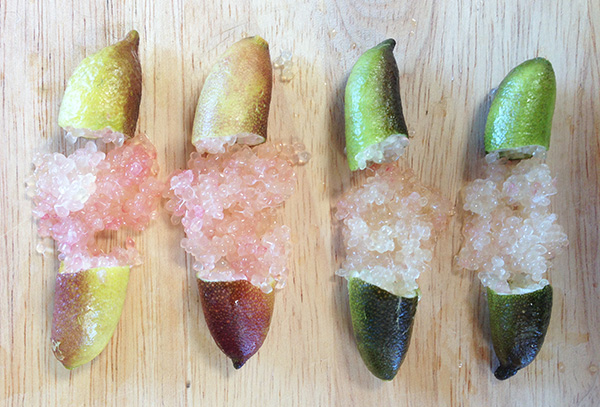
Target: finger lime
<point>104,92</point>
<point>234,102</point>
<point>87,308</point>
<point>375,126</point>
<point>382,324</point>
<point>520,116</point>
<point>519,323</point>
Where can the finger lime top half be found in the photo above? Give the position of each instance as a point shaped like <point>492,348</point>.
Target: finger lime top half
<point>104,92</point>
<point>520,115</point>
<point>234,102</point>
<point>375,126</point>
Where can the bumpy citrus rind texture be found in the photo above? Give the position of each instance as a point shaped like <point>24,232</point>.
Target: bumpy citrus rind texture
<point>87,309</point>
<point>103,94</point>
<point>520,115</point>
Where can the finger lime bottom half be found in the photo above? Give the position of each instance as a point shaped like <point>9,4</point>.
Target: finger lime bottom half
<point>519,323</point>
<point>382,324</point>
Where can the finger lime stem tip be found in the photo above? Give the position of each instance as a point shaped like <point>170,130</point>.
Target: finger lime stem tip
<point>102,97</point>
<point>133,37</point>
<point>238,315</point>
<point>87,309</point>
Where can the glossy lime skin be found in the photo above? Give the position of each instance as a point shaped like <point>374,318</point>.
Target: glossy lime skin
<point>238,315</point>
<point>382,324</point>
<point>519,323</point>
<point>105,90</point>
<point>87,309</point>
<point>521,113</point>
<point>373,109</point>
<point>236,94</point>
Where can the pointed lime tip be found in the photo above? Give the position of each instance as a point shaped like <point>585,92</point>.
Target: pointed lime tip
<point>87,308</point>
<point>382,324</point>
<point>258,40</point>
<point>505,372</point>
<point>390,42</point>
<point>238,363</point>
<point>133,37</point>
<point>521,113</point>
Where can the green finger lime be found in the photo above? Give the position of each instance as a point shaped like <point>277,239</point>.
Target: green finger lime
<point>520,116</point>
<point>382,324</point>
<point>519,323</point>
<point>104,92</point>
<point>375,126</point>
<point>87,309</point>
<point>236,95</point>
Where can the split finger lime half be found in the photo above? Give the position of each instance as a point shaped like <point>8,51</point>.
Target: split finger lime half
<point>375,127</point>
<point>520,116</point>
<point>102,98</point>
<point>87,309</point>
<point>233,106</point>
<point>382,324</point>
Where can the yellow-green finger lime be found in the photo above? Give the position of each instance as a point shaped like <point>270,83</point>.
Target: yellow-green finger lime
<point>375,126</point>
<point>519,323</point>
<point>87,309</point>
<point>520,115</point>
<point>236,95</point>
<point>382,324</point>
<point>104,92</point>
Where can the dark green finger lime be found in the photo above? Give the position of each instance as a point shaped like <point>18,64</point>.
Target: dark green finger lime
<point>519,323</point>
<point>521,113</point>
<point>373,109</point>
<point>382,324</point>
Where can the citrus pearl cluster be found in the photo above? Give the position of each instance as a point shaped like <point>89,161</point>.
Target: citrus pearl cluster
<point>511,235</point>
<point>106,135</point>
<point>226,205</point>
<point>386,151</point>
<point>79,195</point>
<point>390,226</point>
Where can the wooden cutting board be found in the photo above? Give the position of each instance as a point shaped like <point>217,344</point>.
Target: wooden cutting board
<point>450,54</point>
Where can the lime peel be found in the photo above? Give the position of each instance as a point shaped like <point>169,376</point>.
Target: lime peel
<point>519,324</point>
<point>382,323</point>
<point>373,109</point>
<point>521,112</point>
<point>104,93</point>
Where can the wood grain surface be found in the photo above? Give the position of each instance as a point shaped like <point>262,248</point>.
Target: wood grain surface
<point>450,54</point>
